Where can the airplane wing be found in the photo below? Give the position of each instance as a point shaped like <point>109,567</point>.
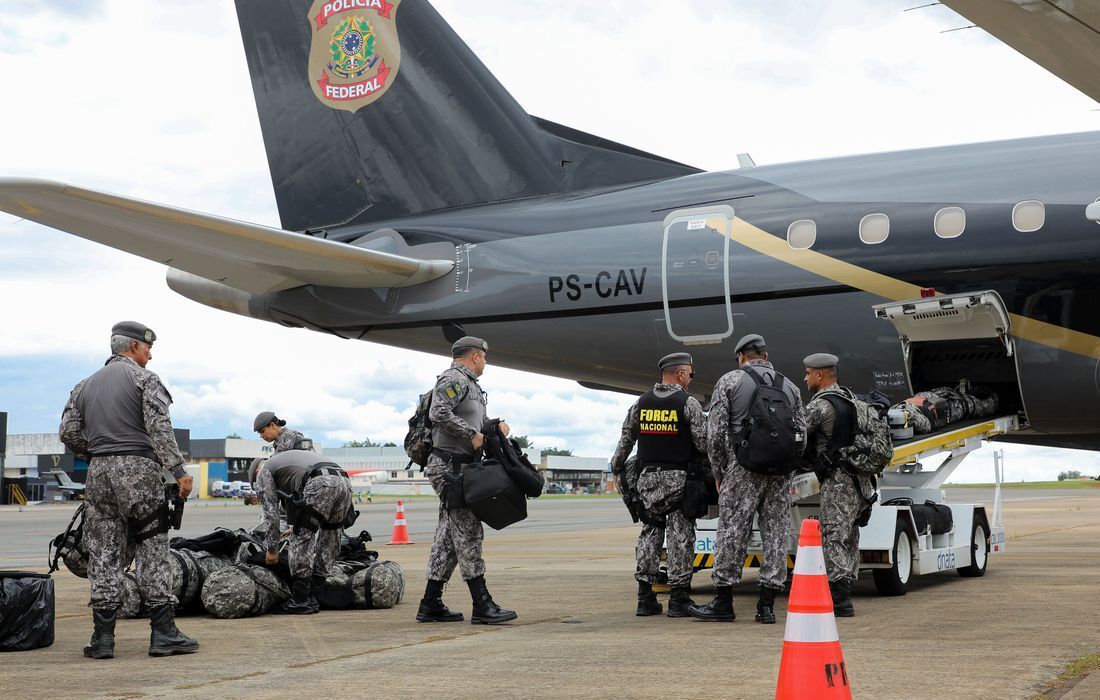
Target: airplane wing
<point>1062,36</point>
<point>248,257</point>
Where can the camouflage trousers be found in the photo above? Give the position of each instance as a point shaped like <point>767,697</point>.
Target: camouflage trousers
<point>647,554</point>
<point>742,495</point>
<point>120,489</point>
<point>681,551</point>
<point>458,534</point>
<point>315,552</point>
<point>841,504</point>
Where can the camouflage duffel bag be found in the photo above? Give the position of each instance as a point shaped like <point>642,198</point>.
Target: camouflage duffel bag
<point>242,591</point>
<point>364,586</point>
<point>132,604</point>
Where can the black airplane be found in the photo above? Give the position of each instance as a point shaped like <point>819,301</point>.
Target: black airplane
<point>419,203</point>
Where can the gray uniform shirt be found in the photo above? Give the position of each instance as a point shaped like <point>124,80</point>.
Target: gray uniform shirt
<point>121,408</point>
<point>458,410</point>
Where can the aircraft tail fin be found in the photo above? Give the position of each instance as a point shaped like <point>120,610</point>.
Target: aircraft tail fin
<point>375,109</point>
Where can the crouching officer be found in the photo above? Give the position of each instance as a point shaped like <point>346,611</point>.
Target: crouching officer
<point>830,424</point>
<point>317,498</point>
<point>671,433</point>
<point>459,417</point>
<point>273,429</point>
<point>118,419</point>
<point>744,493</point>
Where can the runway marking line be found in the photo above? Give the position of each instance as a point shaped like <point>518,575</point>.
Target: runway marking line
<point>223,679</point>
<point>429,640</point>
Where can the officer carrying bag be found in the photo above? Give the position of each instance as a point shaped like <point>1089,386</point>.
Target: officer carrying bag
<point>767,441</point>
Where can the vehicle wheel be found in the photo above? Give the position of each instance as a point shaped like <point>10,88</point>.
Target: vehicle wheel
<point>895,580</point>
<point>979,552</point>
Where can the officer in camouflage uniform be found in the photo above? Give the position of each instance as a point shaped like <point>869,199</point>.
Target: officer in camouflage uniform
<point>743,494</point>
<point>842,491</point>
<point>671,433</point>
<point>459,418</point>
<point>317,497</point>
<point>274,430</point>
<point>118,420</point>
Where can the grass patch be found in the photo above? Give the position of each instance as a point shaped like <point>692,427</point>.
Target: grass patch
<point>1073,673</point>
<point>563,496</point>
<point>1090,484</point>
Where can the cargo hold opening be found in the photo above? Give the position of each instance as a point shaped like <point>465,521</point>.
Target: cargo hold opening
<point>960,336</point>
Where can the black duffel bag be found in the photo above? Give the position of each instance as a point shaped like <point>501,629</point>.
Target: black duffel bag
<point>930,514</point>
<point>508,452</point>
<point>492,495</point>
<point>26,610</point>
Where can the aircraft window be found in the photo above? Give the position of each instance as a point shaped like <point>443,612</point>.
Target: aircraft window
<point>802,234</point>
<point>874,228</point>
<point>1029,215</point>
<point>950,222</point>
<point>1092,211</point>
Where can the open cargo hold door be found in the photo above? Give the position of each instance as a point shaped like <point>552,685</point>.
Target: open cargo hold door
<point>958,336</point>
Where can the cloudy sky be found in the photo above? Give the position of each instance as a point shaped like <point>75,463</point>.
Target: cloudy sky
<point>153,100</point>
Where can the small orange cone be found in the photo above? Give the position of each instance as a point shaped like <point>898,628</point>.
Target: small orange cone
<point>400,527</point>
<point>813,663</point>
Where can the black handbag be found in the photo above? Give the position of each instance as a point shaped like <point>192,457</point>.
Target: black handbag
<point>492,494</point>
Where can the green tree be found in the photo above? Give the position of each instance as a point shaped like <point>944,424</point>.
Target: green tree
<point>523,441</point>
<point>232,436</point>
<point>365,442</point>
<point>557,451</point>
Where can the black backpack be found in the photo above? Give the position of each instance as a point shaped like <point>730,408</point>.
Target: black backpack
<point>418,441</point>
<point>767,441</point>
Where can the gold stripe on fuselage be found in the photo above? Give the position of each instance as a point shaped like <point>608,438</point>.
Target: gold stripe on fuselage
<point>896,290</point>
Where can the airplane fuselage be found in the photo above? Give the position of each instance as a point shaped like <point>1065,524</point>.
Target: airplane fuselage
<point>586,287</point>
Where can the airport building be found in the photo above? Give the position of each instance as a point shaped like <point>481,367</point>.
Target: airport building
<point>33,466</point>
<point>36,464</point>
<point>572,474</point>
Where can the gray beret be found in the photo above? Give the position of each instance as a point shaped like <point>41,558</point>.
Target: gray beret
<point>135,330</point>
<point>469,341</point>
<point>264,418</point>
<point>821,360</point>
<point>675,360</point>
<point>750,342</point>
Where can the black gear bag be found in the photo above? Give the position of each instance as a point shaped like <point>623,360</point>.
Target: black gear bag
<point>26,611</point>
<point>492,495</point>
<point>767,443</point>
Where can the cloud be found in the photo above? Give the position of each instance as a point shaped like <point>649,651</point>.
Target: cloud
<point>698,82</point>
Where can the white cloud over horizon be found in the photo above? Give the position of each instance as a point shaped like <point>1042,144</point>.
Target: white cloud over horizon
<point>154,101</point>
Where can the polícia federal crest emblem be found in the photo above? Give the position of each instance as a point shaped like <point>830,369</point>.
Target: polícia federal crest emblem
<point>354,55</point>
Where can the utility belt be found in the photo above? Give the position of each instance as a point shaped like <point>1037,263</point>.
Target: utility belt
<point>147,454</point>
<point>301,515</point>
<point>167,516</point>
<point>649,468</point>
<point>455,459</point>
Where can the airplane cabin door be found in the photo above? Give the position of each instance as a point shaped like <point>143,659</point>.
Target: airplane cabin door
<point>695,282</point>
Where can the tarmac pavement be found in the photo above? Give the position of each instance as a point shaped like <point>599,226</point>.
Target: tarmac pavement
<point>569,574</point>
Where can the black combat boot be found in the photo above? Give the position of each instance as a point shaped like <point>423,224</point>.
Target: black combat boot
<point>432,608</point>
<point>301,600</point>
<point>765,606</point>
<point>679,601</point>
<point>719,610</point>
<point>647,600</point>
<point>842,598</point>
<point>165,639</point>
<point>102,645</point>
<point>486,612</point>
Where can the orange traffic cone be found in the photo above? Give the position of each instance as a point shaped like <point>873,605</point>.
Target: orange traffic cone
<point>400,527</point>
<point>813,663</point>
